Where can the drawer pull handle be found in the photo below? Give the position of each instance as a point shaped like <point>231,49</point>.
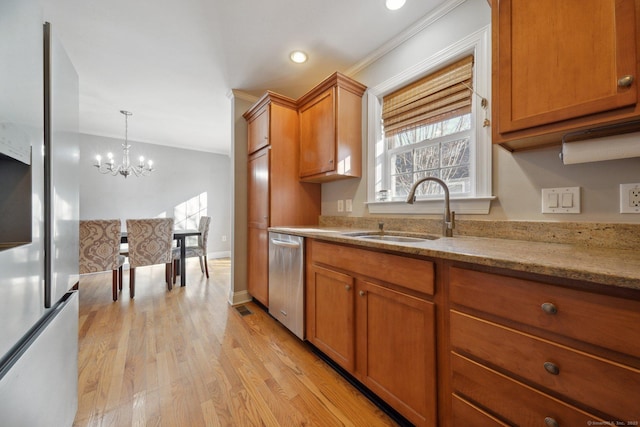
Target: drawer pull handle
<point>625,81</point>
<point>550,422</point>
<point>552,368</point>
<point>549,308</point>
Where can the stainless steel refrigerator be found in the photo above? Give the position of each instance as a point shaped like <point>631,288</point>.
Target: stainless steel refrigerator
<point>39,156</point>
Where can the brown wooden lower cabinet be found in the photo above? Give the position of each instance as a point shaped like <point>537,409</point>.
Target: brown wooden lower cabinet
<point>464,413</point>
<point>330,314</point>
<point>510,400</point>
<point>533,353</point>
<point>258,263</point>
<point>379,334</point>
<point>395,349</point>
<point>470,345</point>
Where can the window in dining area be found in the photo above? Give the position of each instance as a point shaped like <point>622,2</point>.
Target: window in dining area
<point>187,215</point>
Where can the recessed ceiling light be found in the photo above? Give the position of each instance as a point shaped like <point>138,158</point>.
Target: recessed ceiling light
<point>298,56</point>
<point>394,4</point>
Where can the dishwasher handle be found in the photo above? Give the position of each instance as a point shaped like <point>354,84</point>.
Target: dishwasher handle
<point>285,244</point>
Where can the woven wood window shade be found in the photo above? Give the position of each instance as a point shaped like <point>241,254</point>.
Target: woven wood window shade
<point>433,98</point>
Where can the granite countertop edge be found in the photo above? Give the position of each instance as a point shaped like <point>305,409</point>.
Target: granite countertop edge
<point>606,266</point>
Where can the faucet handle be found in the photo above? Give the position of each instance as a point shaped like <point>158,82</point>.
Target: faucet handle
<point>451,225</point>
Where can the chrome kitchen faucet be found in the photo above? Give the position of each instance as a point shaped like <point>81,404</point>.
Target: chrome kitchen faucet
<point>449,217</point>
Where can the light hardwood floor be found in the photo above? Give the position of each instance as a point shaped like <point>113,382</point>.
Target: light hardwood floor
<point>186,358</point>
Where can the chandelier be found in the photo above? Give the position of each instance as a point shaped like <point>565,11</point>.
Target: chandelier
<point>125,169</point>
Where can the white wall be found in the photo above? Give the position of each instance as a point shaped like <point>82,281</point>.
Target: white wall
<point>517,177</point>
<point>180,175</point>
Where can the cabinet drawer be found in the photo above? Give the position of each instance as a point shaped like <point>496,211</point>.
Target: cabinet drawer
<point>609,322</point>
<point>512,401</point>
<point>593,381</point>
<point>409,273</point>
<point>466,414</point>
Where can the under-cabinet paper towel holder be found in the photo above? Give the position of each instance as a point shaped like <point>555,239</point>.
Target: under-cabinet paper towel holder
<point>586,151</point>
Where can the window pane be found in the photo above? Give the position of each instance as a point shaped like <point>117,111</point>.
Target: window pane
<point>401,184</point>
<point>402,163</point>
<point>429,132</point>
<point>427,158</point>
<point>457,178</point>
<point>455,152</point>
<point>428,188</point>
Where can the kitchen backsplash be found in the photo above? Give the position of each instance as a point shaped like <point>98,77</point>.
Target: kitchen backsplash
<point>588,234</point>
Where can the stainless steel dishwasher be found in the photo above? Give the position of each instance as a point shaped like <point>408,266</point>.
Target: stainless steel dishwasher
<point>286,281</point>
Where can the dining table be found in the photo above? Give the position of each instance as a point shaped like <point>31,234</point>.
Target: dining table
<point>179,236</point>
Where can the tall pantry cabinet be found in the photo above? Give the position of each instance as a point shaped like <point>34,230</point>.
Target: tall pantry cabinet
<point>276,197</point>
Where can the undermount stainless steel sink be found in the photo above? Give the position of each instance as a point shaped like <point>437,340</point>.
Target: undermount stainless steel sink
<point>388,238</point>
<point>392,236</point>
<point>403,239</point>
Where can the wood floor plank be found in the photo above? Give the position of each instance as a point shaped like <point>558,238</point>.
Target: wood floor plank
<point>187,358</point>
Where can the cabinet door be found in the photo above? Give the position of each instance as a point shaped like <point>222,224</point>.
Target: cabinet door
<point>258,189</point>
<point>258,264</point>
<point>559,60</point>
<point>258,221</point>
<point>318,135</point>
<point>330,314</point>
<point>396,350</point>
<point>258,131</point>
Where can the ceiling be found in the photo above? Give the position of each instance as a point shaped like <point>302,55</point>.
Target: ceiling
<point>173,63</point>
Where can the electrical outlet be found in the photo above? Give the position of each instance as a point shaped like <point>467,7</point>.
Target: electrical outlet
<point>340,205</point>
<point>629,198</point>
<point>348,205</point>
<point>224,238</point>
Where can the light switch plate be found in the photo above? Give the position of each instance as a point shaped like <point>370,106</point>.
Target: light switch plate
<point>629,198</point>
<point>561,200</point>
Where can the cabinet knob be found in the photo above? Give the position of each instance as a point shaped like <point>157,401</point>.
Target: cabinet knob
<point>550,422</point>
<point>362,293</point>
<point>625,81</point>
<point>347,287</point>
<point>549,308</point>
<point>552,368</point>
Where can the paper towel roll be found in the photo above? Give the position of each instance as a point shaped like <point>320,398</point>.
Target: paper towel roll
<point>607,148</point>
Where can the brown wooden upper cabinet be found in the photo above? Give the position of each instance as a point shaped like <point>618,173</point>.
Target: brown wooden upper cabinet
<point>331,130</point>
<point>562,66</point>
<point>258,129</point>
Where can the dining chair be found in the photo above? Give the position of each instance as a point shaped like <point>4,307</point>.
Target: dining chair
<point>99,249</point>
<point>150,242</point>
<point>199,250</point>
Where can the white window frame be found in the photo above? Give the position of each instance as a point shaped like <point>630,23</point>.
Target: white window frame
<point>478,202</point>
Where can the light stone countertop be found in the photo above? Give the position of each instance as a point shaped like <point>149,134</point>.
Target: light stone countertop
<point>614,267</point>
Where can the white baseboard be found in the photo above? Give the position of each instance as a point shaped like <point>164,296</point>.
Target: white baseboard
<point>220,254</point>
<point>240,297</point>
